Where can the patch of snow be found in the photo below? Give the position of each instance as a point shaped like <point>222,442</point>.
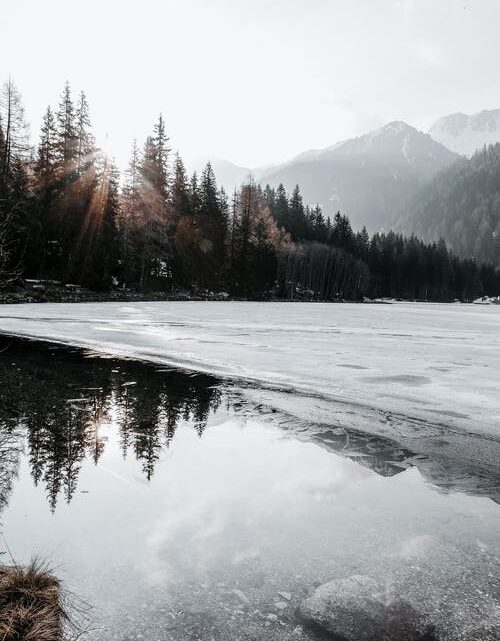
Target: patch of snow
<point>487,300</point>
<point>466,134</point>
<point>404,149</point>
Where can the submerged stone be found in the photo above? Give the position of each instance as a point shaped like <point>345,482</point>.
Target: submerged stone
<point>359,609</point>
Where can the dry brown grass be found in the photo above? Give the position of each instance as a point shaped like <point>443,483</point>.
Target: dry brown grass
<point>30,604</point>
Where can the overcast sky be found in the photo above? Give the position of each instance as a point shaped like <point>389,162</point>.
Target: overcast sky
<point>254,81</point>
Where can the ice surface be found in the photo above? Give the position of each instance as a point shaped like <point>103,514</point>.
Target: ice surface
<point>434,363</point>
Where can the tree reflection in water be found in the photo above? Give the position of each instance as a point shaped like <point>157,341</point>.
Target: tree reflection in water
<point>58,400</point>
<point>55,403</point>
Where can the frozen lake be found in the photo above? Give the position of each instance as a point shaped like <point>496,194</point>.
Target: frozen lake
<point>178,509</point>
<point>288,445</point>
<point>436,363</point>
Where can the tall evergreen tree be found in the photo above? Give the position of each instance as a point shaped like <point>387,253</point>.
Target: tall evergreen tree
<point>14,143</point>
<point>47,147</point>
<point>297,225</point>
<point>155,252</point>
<point>194,194</point>
<point>213,226</point>
<point>180,190</point>
<point>85,144</point>
<point>66,133</point>
<point>161,152</point>
<point>281,211</point>
<point>129,219</point>
<point>100,237</point>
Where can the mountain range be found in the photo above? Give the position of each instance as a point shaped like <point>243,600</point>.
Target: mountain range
<point>369,178</point>
<point>399,176</point>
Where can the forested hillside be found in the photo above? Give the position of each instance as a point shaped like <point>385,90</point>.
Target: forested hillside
<point>370,177</point>
<point>67,215</point>
<point>462,205</point>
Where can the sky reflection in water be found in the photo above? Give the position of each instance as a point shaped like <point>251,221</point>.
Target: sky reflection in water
<point>174,514</point>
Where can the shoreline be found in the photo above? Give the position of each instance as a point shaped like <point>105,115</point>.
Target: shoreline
<point>60,294</point>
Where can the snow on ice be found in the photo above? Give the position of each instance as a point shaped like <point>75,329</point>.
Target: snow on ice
<point>436,363</point>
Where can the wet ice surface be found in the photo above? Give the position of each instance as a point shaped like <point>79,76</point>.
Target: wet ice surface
<point>181,510</point>
<point>436,363</point>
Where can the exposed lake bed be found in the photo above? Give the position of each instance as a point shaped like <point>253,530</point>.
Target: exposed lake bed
<point>180,505</point>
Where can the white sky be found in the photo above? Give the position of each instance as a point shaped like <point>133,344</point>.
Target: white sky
<point>256,81</point>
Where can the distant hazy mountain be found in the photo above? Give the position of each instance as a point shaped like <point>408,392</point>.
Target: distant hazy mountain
<point>228,174</point>
<point>466,134</point>
<point>369,178</point>
<point>461,205</point>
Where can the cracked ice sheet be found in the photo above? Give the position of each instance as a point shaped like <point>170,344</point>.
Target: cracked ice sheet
<point>436,363</point>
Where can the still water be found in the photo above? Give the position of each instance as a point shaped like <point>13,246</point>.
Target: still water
<point>173,508</point>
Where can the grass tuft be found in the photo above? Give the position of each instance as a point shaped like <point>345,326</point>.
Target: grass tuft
<point>30,604</point>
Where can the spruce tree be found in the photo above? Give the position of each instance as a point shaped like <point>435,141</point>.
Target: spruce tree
<point>180,190</point>
<point>281,211</point>
<point>297,225</point>
<point>194,194</point>
<point>161,152</point>
<point>66,144</point>
<point>129,220</point>
<point>101,234</point>
<point>85,144</point>
<point>213,227</point>
<point>47,147</point>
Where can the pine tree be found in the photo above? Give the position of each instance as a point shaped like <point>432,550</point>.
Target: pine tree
<point>14,141</point>
<point>208,192</point>
<point>213,223</point>
<point>194,194</point>
<point>281,212</point>
<point>255,241</point>
<point>161,153</point>
<point>66,145</point>
<point>47,148</point>
<point>101,232</point>
<point>270,198</point>
<point>342,235</point>
<point>85,143</point>
<point>155,251</point>
<point>180,190</point>
<point>362,244</point>
<point>296,216</point>
<point>129,220</point>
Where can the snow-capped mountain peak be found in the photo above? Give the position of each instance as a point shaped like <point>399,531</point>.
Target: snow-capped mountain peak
<point>466,134</point>
<point>398,141</point>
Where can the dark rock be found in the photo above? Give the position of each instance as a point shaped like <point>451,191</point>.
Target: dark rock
<point>359,609</point>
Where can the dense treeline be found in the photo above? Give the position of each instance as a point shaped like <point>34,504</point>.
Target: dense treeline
<point>332,261</point>
<point>67,215</point>
<point>462,204</point>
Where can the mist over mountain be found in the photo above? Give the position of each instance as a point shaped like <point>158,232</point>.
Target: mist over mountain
<point>462,206</point>
<point>370,177</point>
<point>229,175</point>
<point>466,134</point>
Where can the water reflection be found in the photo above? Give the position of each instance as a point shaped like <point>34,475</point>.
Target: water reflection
<point>60,405</point>
<point>184,513</point>
<point>10,451</point>
<point>64,403</point>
